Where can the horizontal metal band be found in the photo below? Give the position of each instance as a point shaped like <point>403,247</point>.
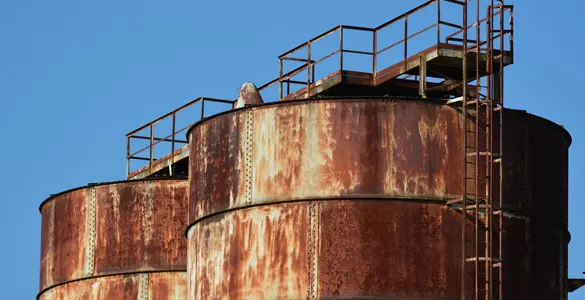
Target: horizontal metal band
<point>108,275</point>
<point>434,200</point>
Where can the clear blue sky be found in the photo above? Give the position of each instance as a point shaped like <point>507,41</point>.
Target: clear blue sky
<point>76,76</point>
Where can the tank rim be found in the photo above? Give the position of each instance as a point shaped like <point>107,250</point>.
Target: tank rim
<point>53,196</point>
<point>541,118</point>
<point>430,101</point>
<point>41,292</point>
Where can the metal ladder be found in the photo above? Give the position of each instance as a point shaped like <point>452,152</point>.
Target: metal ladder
<point>481,204</point>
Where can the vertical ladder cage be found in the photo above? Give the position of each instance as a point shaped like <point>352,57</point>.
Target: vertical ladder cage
<point>482,105</point>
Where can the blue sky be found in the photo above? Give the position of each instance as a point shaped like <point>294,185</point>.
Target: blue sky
<point>76,76</point>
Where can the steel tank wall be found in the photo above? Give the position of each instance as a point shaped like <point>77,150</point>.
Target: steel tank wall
<point>119,240</point>
<point>347,198</point>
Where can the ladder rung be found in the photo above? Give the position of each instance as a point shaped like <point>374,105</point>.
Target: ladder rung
<point>482,102</point>
<point>470,241</point>
<point>482,258</point>
<point>497,265</point>
<point>461,40</point>
<point>498,160</point>
<point>484,154</point>
<point>497,108</point>
<point>497,30</point>
<point>475,206</point>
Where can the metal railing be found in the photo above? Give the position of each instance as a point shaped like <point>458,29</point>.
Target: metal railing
<point>171,138</point>
<point>139,155</point>
<point>342,49</point>
<point>451,31</point>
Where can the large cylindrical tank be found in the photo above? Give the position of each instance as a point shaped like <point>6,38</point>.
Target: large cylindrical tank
<point>347,198</point>
<point>119,240</point>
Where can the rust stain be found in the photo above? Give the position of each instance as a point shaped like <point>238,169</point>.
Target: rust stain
<point>217,164</point>
<point>256,253</point>
<point>359,151</point>
<point>63,252</point>
<point>167,285</point>
<point>111,287</point>
<point>139,226</point>
<point>327,149</point>
<point>389,249</point>
<point>164,286</point>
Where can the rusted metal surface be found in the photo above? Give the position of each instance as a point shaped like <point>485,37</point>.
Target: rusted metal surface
<point>63,238</point>
<point>324,149</point>
<point>113,228</point>
<point>444,58</point>
<point>169,136</point>
<point>535,187</point>
<point>164,286</point>
<point>257,253</point>
<point>373,178</point>
<point>536,179</point>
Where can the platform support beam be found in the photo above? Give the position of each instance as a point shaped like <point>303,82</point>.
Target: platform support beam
<point>422,83</point>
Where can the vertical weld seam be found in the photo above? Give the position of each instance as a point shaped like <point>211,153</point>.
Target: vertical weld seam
<point>143,286</point>
<point>310,252</point>
<point>91,233</point>
<point>313,246</point>
<point>249,119</point>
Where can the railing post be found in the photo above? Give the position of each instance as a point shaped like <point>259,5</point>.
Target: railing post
<point>340,47</point>
<point>151,159</point>
<point>374,57</point>
<point>308,69</point>
<point>173,134</point>
<point>127,155</point>
<point>511,28</point>
<point>438,21</point>
<point>202,108</point>
<point>280,78</point>
<point>405,40</point>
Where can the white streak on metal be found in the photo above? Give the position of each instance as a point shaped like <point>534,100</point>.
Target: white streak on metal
<point>91,232</point>
<point>248,152</point>
<point>143,286</point>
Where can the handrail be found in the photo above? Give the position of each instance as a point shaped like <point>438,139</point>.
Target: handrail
<point>475,23</point>
<point>408,37</point>
<point>404,15</point>
<point>153,140</point>
<point>309,64</point>
<point>310,41</point>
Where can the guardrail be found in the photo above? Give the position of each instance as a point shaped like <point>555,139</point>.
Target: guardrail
<point>450,30</point>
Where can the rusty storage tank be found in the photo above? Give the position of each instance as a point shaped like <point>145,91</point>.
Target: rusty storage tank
<point>118,240</point>
<point>346,198</point>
